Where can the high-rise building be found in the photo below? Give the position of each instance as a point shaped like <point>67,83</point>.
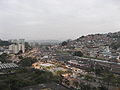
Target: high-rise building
<point>19,45</point>
<point>22,41</point>
<point>13,48</point>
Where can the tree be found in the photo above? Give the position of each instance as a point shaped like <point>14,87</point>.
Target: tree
<point>76,84</point>
<point>25,77</point>
<point>27,46</point>
<point>102,88</point>
<point>5,43</point>
<point>98,69</point>
<point>64,43</point>
<point>117,80</point>
<point>4,58</point>
<point>27,62</point>
<point>83,86</point>
<point>115,45</point>
<point>108,78</point>
<point>67,82</point>
<point>4,86</point>
<point>78,53</point>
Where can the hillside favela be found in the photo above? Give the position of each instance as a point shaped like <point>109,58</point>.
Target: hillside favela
<point>59,45</point>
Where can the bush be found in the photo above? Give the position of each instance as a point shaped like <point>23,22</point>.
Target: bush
<point>64,43</point>
<point>78,53</point>
<point>26,62</point>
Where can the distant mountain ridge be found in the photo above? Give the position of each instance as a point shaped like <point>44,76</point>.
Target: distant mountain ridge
<point>45,42</point>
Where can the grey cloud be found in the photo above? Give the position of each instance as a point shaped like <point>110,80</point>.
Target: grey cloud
<point>57,19</point>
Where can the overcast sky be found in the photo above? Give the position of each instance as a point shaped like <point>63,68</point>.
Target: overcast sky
<point>57,19</point>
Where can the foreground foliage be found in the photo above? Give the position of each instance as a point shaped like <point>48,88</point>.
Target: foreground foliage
<point>25,77</point>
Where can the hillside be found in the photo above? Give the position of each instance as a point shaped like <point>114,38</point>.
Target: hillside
<point>109,39</point>
<point>100,46</point>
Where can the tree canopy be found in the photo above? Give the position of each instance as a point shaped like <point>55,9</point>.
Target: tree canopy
<point>4,58</point>
<point>78,53</point>
<point>5,43</point>
<point>25,62</point>
<point>64,43</point>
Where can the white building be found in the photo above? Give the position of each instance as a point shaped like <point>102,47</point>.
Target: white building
<point>21,47</point>
<point>15,48</point>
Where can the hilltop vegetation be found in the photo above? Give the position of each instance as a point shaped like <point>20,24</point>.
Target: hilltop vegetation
<point>5,43</point>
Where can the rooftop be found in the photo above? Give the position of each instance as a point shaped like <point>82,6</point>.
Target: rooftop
<point>8,65</point>
<point>46,64</point>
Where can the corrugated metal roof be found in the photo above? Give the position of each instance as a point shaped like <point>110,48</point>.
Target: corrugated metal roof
<point>8,65</point>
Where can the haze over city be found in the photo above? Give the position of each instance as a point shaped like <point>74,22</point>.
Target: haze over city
<point>57,19</point>
<point>59,44</point>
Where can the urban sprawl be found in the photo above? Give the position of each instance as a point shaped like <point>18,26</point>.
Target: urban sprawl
<point>90,62</point>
